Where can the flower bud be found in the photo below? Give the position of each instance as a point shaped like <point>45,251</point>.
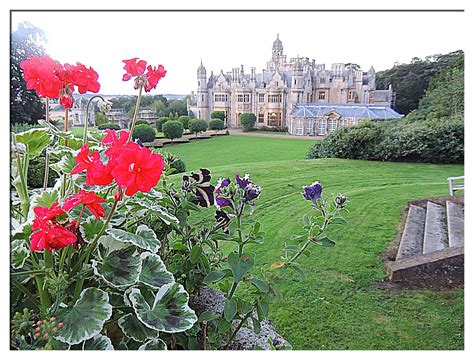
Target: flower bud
<point>118,195</point>
<point>55,329</point>
<point>52,319</point>
<point>46,335</point>
<point>38,328</point>
<point>340,200</point>
<point>37,335</point>
<point>60,324</point>
<point>39,322</point>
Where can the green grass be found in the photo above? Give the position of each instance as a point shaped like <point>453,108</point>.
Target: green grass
<point>338,305</point>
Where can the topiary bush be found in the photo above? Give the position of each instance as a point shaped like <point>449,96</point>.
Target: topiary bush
<point>248,121</point>
<point>160,122</point>
<point>173,129</point>
<point>218,115</point>
<point>111,126</point>
<point>141,122</point>
<point>216,124</point>
<point>184,120</point>
<point>197,125</point>
<point>144,132</point>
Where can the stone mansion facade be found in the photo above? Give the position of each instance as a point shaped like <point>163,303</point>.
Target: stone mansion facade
<point>274,94</point>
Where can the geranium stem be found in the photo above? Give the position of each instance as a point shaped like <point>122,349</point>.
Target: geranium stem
<point>66,128</point>
<point>135,115</point>
<point>46,159</point>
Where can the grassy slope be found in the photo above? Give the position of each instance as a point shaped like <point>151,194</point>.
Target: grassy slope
<point>338,306</point>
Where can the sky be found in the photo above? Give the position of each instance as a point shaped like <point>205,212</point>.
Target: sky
<point>179,41</point>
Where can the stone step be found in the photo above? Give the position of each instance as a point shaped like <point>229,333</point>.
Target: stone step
<point>412,237</point>
<point>435,228</point>
<point>455,217</point>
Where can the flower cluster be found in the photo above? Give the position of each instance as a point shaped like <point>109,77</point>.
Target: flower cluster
<point>51,79</point>
<point>48,233</point>
<point>136,68</point>
<point>133,167</point>
<point>45,329</point>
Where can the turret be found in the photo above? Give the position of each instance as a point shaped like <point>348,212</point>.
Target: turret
<point>202,95</point>
<point>277,49</point>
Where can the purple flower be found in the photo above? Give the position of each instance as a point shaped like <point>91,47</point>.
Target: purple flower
<point>252,191</point>
<point>313,192</point>
<point>221,201</point>
<point>242,182</point>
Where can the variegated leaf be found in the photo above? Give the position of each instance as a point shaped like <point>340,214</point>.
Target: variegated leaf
<point>98,342</point>
<point>154,273</point>
<point>85,318</point>
<point>144,238</point>
<point>135,329</point>
<point>169,312</point>
<point>153,344</point>
<point>119,268</point>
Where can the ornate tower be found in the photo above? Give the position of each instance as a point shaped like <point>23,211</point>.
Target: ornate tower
<point>297,86</point>
<point>277,49</point>
<point>202,94</point>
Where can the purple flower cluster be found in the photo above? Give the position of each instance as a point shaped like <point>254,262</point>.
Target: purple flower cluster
<point>221,185</point>
<point>313,192</point>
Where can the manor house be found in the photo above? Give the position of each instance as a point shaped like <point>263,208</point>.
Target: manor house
<point>280,90</point>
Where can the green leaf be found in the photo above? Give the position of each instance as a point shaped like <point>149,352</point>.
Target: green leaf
<point>23,231</point>
<point>153,344</point>
<point>260,285</point>
<point>207,316</point>
<point>98,342</point>
<point>339,221</point>
<point>144,238</point>
<point>223,326</point>
<point>239,265</point>
<point>214,276</point>
<point>135,329</point>
<point>90,228</point>
<point>256,325</point>
<point>19,253</point>
<point>165,216</point>
<point>297,268</point>
<point>326,242</point>
<point>154,272</point>
<point>262,310</point>
<point>65,165</point>
<point>230,309</point>
<point>246,307</point>
<point>85,318</point>
<point>196,252</point>
<point>35,141</point>
<point>169,312</point>
<point>119,268</point>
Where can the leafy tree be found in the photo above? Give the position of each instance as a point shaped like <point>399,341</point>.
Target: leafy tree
<point>144,132</point>
<point>218,115</point>
<point>25,105</point>
<point>184,120</point>
<point>178,106</point>
<point>160,122</point>
<point>141,122</point>
<point>100,118</point>
<point>410,81</point>
<point>197,125</point>
<point>248,120</point>
<point>173,129</point>
<point>216,124</point>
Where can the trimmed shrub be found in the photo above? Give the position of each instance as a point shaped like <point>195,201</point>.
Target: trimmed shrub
<point>141,122</point>
<point>144,132</point>
<point>20,127</point>
<point>184,120</point>
<point>216,124</point>
<point>218,115</point>
<point>111,126</point>
<point>173,129</point>
<point>160,122</point>
<point>248,121</point>
<point>431,141</point>
<point>35,175</point>
<point>197,125</point>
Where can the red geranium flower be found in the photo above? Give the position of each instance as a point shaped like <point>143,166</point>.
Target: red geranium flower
<point>87,198</point>
<point>115,143</point>
<point>96,172</point>
<point>66,101</point>
<point>51,235</point>
<point>154,75</point>
<point>40,75</point>
<point>133,68</point>
<point>137,169</point>
<point>85,79</point>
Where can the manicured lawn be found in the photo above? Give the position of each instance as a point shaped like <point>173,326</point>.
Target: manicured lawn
<point>339,305</point>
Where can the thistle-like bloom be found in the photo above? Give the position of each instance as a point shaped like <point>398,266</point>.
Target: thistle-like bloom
<point>87,198</point>
<point>340,200</point>
<point>313,192</point>
<point>252,191</point>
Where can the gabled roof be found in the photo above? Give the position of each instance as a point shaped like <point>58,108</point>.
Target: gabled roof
<point>361,111</point>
